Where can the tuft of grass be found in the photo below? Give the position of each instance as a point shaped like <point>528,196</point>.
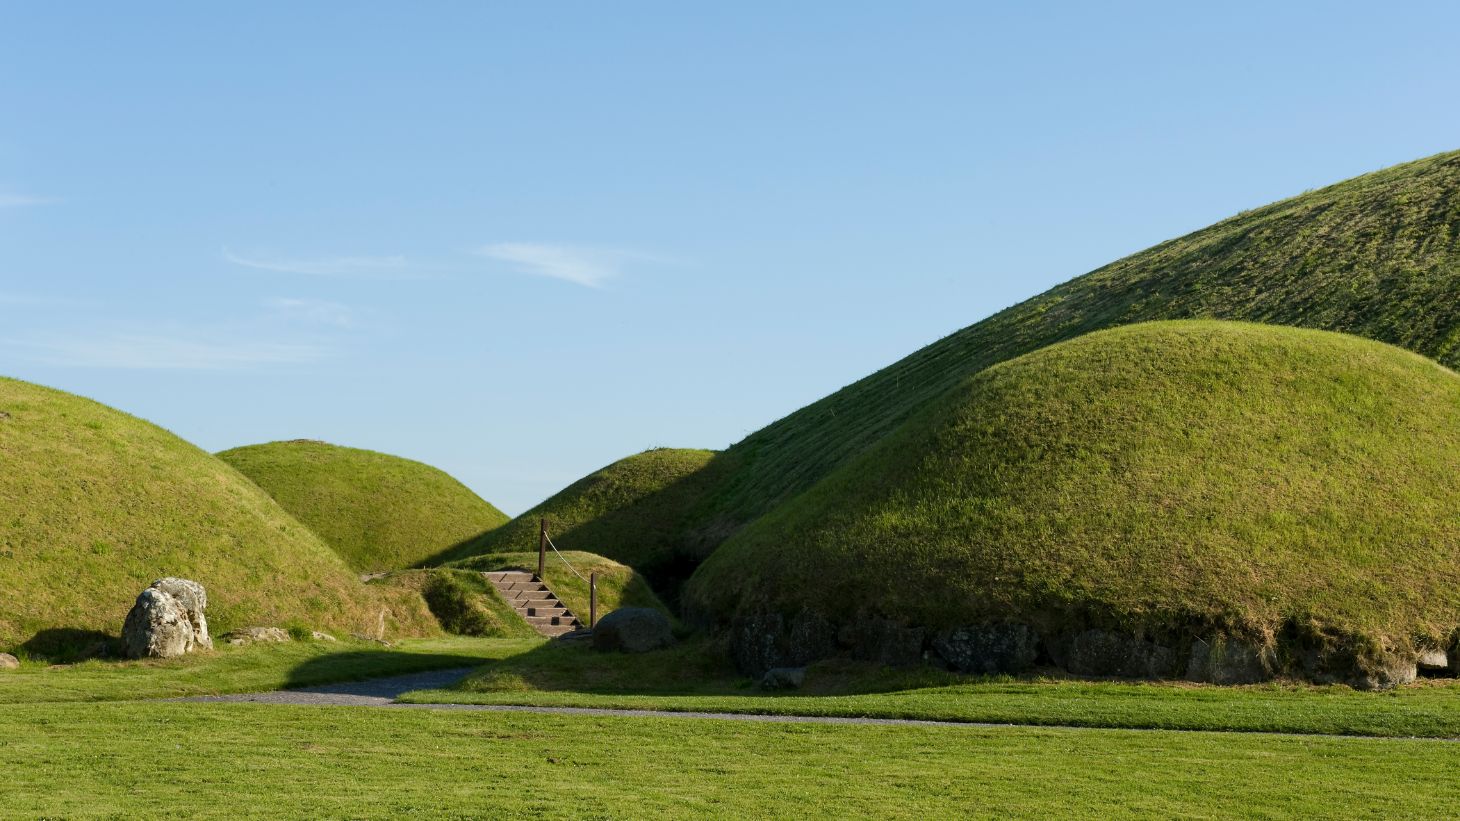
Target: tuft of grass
<point>1177,479</point>
<point>96,504</point>
<point>380,512</point>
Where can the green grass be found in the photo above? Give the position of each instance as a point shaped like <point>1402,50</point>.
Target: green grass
<point>618,585</point>
<point>1182,479</point>
<point>1377,256</point>
<point>245,669</point>
<point>464,603</point>
<point>693,677</point>
<point>634,511</point>
<point>380,512</point>
<point>96,504</point>
<point>223,761</point>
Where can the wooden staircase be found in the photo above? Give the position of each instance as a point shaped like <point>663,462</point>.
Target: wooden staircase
<point>534,602</point>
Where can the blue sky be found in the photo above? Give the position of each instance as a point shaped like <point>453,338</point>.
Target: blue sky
<point>519,241</point>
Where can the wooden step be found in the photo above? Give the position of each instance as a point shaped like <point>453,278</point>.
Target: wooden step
<point>534,602</point>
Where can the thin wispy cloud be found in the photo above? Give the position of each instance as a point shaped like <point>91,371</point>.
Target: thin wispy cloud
<point>589,267</point>
<point>133,351</point>
<point>362,267</point>
<point>8,200</point>
<point>314,311</point>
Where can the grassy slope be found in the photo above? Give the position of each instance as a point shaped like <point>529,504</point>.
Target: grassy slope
<point>632,511</point>
<point>95,504</point>
<point>1377,256</point>
<point>464,602</point>
<point>1179,475</point>
<point>380,512</point>
<point>618,585</point>
<point>75,760</point>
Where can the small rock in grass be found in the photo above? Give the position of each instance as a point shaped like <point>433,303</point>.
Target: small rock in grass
<point>632,630</point>
<point>249,635</point>
<point>9,662</point>
<point>318,636</point>
<point>783,678</point>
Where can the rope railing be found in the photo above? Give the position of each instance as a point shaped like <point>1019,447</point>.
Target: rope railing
<point>564,558</point>
<point>543,543</point>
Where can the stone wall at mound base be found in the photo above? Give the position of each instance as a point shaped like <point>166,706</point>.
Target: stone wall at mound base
<point>761,639</point>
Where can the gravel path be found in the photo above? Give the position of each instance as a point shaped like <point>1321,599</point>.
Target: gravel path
<point>382,692</point>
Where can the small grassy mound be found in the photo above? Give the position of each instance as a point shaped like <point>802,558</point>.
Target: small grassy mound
<point>618,585</point>
<point>633,511</point>
<point>96,504</point>
<point>1168,478</point>
<point>464,603</point>
<point>380,512</point>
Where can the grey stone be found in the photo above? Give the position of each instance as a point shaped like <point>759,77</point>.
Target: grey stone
<point>9,662</point>
<point>880,640</point>
<point>1108,653</point>
<point>1433,660</point>
<point>783,678</point>
<point>318,636</point>
<point>158,626</point>
<point>632,630</point>
<point>1228,661</point>
<point>757,640</point>
<point>1339,664</point>
<point>989,648</point>
<point>194,600</point>
<point>250,635</point>
<point>812,638</point>
<point>762,638</point>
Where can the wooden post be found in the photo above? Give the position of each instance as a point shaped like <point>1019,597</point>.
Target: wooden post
<point>592,599</point>
<point>542,550</point>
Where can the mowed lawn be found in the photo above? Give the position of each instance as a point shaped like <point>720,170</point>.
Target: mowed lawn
<point>241,760</point>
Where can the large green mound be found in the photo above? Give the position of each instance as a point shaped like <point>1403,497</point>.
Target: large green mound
<point>380,512</point>
<point>633,511</point>
<point>1173,480</point>
<point>96,504</point>
<point>1377,256</point>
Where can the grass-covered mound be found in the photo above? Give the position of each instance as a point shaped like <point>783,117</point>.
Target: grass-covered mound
<point>96,504</point>
<point>1174,480</point>
<point>464,602</point>
<point>380,512</point>
<point>1377,256</point>
<point>634,511</point>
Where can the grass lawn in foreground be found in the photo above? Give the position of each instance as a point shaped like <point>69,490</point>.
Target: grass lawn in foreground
<point>692,678</point>
<point>231,761</point>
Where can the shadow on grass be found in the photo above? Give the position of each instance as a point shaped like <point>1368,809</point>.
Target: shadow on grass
<point>64,645</point>
<point>698,667</point>
<point>364,665</point>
